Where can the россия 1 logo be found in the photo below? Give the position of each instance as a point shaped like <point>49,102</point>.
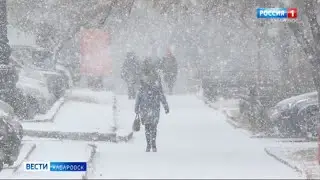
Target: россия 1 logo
<point>277,13</point>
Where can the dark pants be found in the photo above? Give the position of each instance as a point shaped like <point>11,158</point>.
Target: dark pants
<point>131,90</point>
<point>170,86</point>
<point>151,135</point>
<point>170,83</point>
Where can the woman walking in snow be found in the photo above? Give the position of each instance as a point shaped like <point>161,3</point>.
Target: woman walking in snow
<point>148,101</point>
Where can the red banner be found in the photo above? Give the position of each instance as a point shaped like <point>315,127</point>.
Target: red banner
<point>95,58</point>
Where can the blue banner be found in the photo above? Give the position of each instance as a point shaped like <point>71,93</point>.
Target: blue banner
<point>68,166</point>
<point>272,13</point>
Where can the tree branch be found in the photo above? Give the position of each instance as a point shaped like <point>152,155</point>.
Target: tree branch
<point>303,41</point>
<point>312,19</point>
<point>108,12</point>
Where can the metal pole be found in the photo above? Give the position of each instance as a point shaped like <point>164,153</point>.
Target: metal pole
<point>115,113</point>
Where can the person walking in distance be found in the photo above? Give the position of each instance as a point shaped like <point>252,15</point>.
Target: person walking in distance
<point>169,67</point>
<point>130,74</point>
<point>149,98</point>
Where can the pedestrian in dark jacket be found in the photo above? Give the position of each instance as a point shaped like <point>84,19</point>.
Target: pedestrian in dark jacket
<point>130,74</point>
<point>169,67</point>
<point>148,101</point>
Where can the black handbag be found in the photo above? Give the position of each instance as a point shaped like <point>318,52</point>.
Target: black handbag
<point>136,124</point>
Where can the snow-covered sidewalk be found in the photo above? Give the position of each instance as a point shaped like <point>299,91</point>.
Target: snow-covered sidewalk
<point>85,115</point>
<point>78,117</point>
<point>46,151</point>
<point>194,141</point>
<point>300,156</point>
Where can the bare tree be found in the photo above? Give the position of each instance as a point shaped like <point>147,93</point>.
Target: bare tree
<point>310,45</point>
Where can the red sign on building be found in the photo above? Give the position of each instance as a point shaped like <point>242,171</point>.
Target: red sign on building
<point>95,58</point>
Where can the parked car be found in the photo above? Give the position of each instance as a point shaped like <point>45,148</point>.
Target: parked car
<point>283,107</point>
<point>308,118</point>
<point>284,116</point>
<point>34,94</point>
<point>39,64</point>
<point>11,134</point>
<point>66,74</point>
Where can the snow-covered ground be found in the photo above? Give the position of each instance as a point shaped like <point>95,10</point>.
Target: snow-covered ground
<point>194,141</point>
<point>87,95</point>
<point>48,150</point>
<point>83,111</point>
<point>301,156</point>
<point>78,117</point>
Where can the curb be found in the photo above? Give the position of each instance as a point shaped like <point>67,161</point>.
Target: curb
<point>283,161</point>
<point>233,124</point>
<point>289,139</point>
<point>87,100</point>
<point>84,136</point>
<point>79,136</point>
<point>61,101</point>
<point>230,120</point>
<point>15,168</point>
<point>26,158</point>
<point>125,138</point>
<point>312,139</point>
<point>90,161</point>
<point>211,106</point>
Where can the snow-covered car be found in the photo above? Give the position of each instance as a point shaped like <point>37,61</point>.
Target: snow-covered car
<point>11,134</point>
<point>282,108</point>
<point>308,118</point>
<point>66,74</point>
<point>39,64</point>
<point>35,94</point>
<point>284,115</point>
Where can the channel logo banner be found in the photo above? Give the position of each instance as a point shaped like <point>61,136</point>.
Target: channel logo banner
<point>56,166</point>
<point>272,13</point>
<point>68,166</point>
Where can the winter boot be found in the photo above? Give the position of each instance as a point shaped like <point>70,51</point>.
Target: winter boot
<point>148,148</point>
<point>154,146</point>
<point>154,149</point>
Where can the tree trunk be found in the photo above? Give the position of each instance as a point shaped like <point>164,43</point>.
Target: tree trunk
<point>312,53</point>
<point>283,56</point>
<point>8,74</point>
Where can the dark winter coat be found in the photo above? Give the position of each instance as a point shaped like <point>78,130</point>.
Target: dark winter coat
<point>131,70</point>
<point>149,97</point>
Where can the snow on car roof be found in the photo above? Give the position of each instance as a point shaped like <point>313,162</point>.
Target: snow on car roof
<point>296,98</point>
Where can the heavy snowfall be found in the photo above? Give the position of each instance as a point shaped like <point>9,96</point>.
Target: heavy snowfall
<point>159,89</point>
